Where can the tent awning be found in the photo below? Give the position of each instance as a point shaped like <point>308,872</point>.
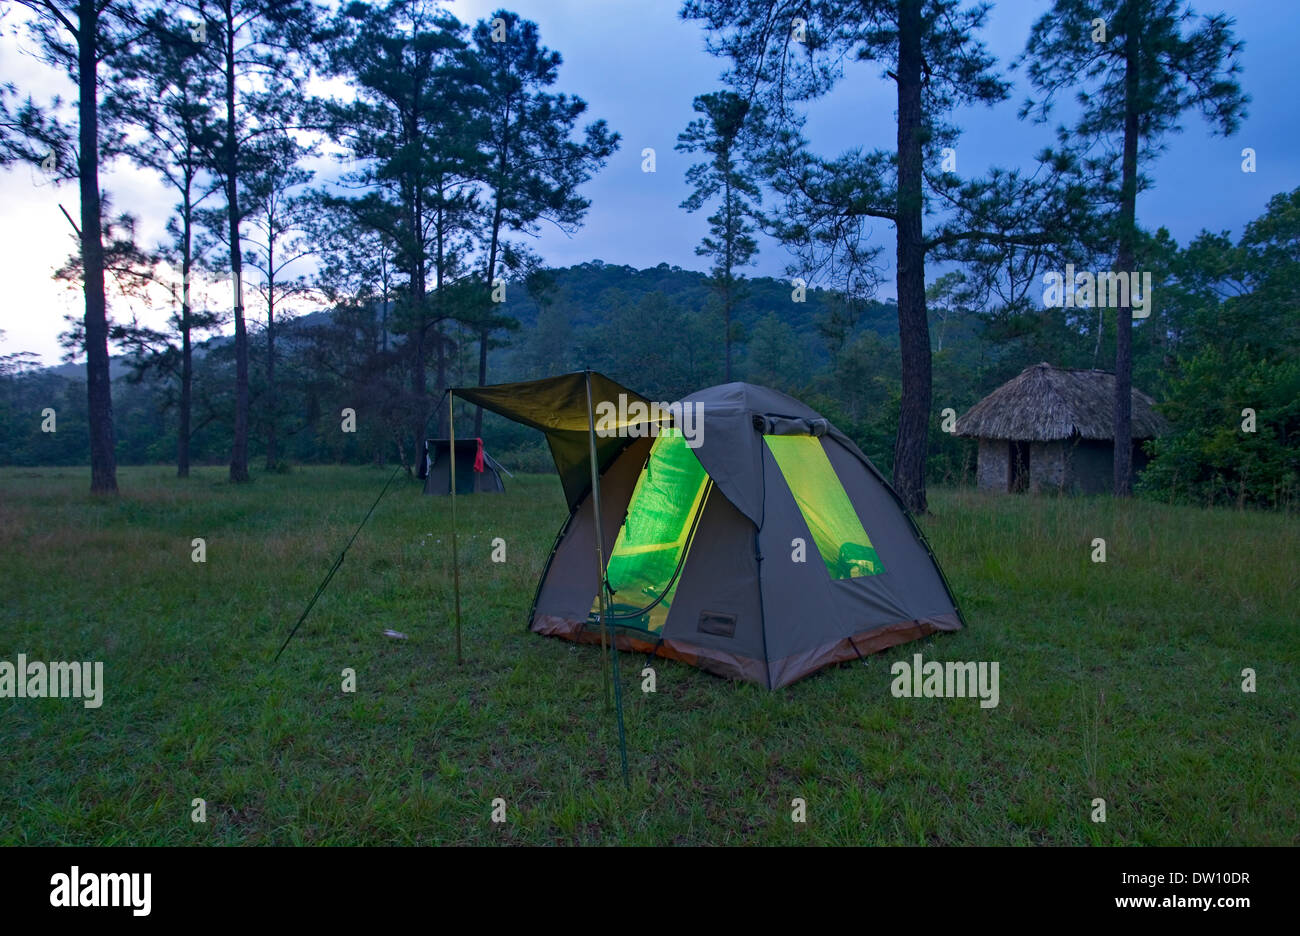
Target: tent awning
<point>558,407</point>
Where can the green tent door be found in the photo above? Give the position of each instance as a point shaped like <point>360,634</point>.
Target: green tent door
<point>653,542</point>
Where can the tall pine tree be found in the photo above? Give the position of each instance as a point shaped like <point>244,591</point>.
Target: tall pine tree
<point>1134,67</point>
<point>76,36</point>
<point>785,53</point>
<point>534,165</point>
<point>730,241</point>
<point>167,95</point>
<point>411,131</point>
<point>250,45</point>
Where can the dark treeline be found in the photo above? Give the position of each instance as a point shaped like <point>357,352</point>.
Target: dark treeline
<point>1223,339</point>
<point>454,143</point>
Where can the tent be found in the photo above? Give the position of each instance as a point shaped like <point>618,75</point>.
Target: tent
<point>477,472</point>
<point>758,544</point>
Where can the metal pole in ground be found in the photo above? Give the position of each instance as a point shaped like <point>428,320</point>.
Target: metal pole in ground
<point>600,580</point>
<point>600,546</point>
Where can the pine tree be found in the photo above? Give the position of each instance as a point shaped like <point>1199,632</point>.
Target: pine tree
<point>730,242</point>
<point>1135,67</point>
<point>249,44</point>
<point>167,95</point>
<point>411,130</point>
<point>785,53</point>
<point>534,165</point>
<point>277,219</point>
<point>76,36</point>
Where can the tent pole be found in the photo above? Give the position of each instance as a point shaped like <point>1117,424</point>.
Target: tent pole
<point>600,547</point>
<point>600,579</point>
<point>455,557</point>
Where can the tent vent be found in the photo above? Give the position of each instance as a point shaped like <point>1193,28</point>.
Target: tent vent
<point>718,624</point>
<point>791,425</point>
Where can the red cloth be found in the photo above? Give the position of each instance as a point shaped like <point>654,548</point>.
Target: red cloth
<point>478,456</point>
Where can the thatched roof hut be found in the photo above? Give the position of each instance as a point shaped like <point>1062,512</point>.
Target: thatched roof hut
<point>1046,403</point>
<point>1054,428</point>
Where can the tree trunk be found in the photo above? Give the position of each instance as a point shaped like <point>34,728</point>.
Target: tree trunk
<point>485,332</point>
<point>187,350</point>
<point>239,450</point>
<point>727,207</point>
<point>495,245</point>
<point>439,336</point>
<point>726,323</point>
<point>1124,262</point>
<point>187,383</point>
<point>272,409</point>
<point>482,377</point>
<point>913,326</point>
<point>419,377</point>
<point>419,388</point>
<point>99,391</point>
<point>443,382</point>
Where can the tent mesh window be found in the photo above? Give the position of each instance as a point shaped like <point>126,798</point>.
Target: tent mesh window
<point>843,543</point>
<point>717,623</point>
<point>652,543</point>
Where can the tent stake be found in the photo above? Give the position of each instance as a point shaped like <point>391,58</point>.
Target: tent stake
<point>600,582</point>
<point>455,557</point>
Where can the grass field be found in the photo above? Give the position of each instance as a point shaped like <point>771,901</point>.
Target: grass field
<point>1119,680</point>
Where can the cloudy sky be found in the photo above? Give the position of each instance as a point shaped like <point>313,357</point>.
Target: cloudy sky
<point>639,67</point>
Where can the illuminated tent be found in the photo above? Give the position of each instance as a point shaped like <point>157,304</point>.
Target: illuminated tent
<point>755,541</point>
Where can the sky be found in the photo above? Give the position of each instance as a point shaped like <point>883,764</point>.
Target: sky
<point>639,67</point>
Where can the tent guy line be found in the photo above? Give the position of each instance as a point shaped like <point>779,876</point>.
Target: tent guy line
<point>320,589</point>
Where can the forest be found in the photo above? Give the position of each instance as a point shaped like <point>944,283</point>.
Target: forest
<point>292,298</point>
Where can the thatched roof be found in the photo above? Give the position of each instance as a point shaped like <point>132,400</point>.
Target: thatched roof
<point>1046,403</point>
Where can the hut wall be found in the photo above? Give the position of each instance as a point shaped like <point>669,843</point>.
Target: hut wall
<point>991,470</point>
<point>1048,466</point>
<point>1092,467</point>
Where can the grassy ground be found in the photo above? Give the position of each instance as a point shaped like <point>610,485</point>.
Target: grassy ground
<point>1119,680</point>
